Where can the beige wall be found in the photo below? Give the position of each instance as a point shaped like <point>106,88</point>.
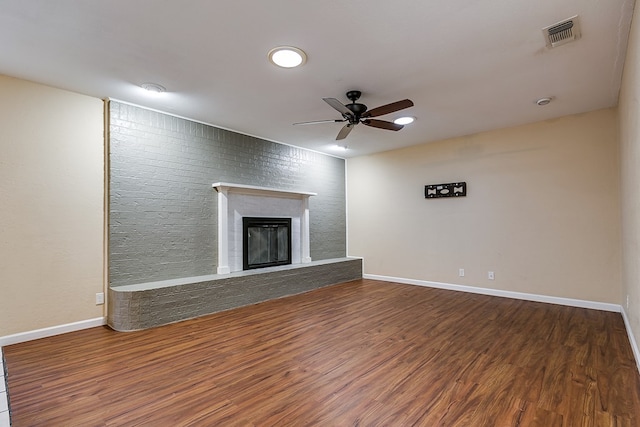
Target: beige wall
<point>542,210</point>
<point>51,206</point>
<point>629,112</point>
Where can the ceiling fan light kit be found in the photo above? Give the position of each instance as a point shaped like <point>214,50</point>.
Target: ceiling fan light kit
<point>356,113</point>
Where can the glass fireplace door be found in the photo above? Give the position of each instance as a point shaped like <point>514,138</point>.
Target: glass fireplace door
<point>266,242</point>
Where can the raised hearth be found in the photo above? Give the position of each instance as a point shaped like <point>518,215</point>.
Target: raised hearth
<point>146,305</point>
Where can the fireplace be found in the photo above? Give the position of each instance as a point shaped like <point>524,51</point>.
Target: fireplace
<point>236,201</point>
<point>266,242</point>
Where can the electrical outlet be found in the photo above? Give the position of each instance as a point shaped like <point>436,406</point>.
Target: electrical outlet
<point>100,298</point>
<point>491,276</point>
<point>461,272</point>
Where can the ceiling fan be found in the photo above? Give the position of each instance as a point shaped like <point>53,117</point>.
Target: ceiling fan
<point>355,113</point>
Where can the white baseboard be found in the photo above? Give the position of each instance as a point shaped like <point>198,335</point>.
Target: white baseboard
<point>632,340</point>
<point>499,293</point>
<point>51,331</point>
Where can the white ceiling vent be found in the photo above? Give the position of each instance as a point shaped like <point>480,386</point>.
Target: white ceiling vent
<point>562,32</point>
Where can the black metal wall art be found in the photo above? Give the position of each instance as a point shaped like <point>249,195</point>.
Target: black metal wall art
<point>454,189</point>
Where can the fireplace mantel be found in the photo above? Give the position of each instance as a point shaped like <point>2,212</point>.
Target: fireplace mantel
<point>262,191</point>
<point>224,190</point>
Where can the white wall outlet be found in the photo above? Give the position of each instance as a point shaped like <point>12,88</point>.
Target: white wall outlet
<point>100,298</point>
<point>491,275</point>
<point>461,272</point>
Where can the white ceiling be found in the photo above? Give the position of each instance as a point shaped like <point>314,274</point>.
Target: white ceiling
<point>468,65</point>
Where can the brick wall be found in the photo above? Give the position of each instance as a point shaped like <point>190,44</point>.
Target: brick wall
<point>163,211</point>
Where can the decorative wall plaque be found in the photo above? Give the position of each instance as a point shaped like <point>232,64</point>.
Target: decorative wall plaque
<point>454,189</point>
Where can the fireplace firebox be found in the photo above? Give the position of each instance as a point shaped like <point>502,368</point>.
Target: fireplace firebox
<point>266,242</point>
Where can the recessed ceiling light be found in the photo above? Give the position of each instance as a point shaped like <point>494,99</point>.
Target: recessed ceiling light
<point>544,101</point>
<point>340,147</point>
<point>153,87</point>
<point>404,120</point>
<point>287,56</point>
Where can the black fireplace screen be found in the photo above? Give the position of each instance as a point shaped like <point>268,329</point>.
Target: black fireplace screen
<point>266,242</point>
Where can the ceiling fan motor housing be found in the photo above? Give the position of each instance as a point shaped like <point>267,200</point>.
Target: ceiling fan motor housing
<point>357,110</point>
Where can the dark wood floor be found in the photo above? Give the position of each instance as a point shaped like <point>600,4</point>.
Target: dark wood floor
<point>363,353</point>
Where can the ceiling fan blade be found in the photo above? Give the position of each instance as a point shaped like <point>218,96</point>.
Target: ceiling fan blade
<point>389,108</point>
<point>382,124</point>
<point>338,106</point>
<point>318,121</point>
<point>344,131</point>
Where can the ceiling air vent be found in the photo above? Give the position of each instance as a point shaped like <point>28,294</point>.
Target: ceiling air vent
<point>562,32</point>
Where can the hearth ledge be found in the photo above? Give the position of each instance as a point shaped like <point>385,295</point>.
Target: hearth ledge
<point>147,305</point>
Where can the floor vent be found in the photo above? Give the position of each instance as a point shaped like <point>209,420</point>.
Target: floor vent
<point>562,32</point>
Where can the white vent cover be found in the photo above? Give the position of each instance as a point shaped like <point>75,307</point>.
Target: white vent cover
<point>562,32</point>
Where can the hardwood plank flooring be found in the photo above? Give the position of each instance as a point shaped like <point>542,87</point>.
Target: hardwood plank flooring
<point>363,353</point>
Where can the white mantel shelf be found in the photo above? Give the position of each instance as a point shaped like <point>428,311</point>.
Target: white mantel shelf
<point>254,189</point>
<point>224,188</point>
